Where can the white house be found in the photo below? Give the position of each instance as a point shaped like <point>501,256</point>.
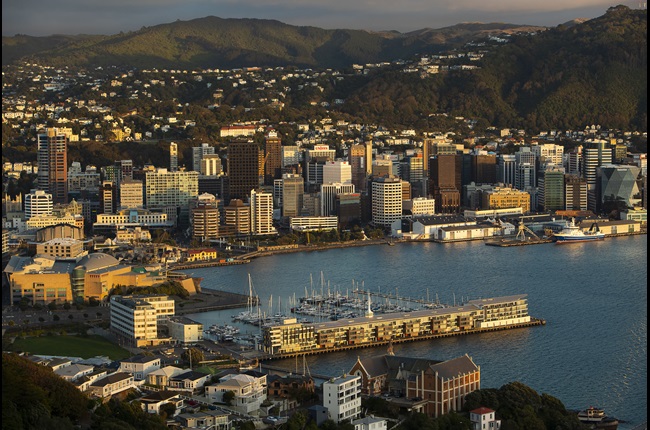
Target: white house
<point>161,377</point>
<point>139,366</point>
<point>250,391</point>
<point>188,381</point>
<point>112,384</point>
<point>370,423</point>
<point>74,371</point>
<point>151,403</point>
<point>484,419</point>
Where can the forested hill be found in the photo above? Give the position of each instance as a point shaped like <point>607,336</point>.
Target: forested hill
<point>213,42</point>
<point>593,72</point>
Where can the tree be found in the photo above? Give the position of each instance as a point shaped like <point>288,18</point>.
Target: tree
<point>193,355</point>
<point>228,397</point>
<point>167,410</point>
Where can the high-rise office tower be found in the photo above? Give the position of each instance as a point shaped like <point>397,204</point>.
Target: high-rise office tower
<point>173,157</point>
<point>617,187</point>
<point>445,182</point>
<point>386,200</point>
<point>171,192</point>
<point>574,162</point>
<point>484,168</point>
<point>550,195</point>
<point>38,203</point>
<point>272,157</point>
<point>526,168</point>
<point>575,193</point>
<point>262,212</point>
<point>360,159</point>
<point>382,166</point>
<point>549,153</point>
<point>211,165</point>
<point>198,153</point>
<point>506,169</point>
<point>52,159</point>
<point>315,159</point>
<point>131,194</point>
<point>243,168</point>
<point>328,194</point>
<point>109,197</point>
<point>592,158</point>
<point>205,218</point>
<point>293,189</point>
<point>337,172</point>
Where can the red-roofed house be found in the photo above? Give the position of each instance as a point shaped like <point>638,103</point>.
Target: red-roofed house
<point>484,419</point>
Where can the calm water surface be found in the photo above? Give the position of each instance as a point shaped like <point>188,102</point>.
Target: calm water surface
<point>592,351</point>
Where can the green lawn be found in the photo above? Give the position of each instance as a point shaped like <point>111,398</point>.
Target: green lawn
<point>71,346</point>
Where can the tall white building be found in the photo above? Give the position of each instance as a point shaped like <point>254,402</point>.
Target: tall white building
<point>198,152</point>
<point>386,200</point>
<point>549,153</point>
<point>290,155</point>
<point>38,203</point>
<point>337,172</point>
<point>262,212</point>
<point>328,193</point>
<point>342,398</point>
<point>526,170</point>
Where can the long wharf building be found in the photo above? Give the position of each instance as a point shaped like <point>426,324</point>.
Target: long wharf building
<point>292,337</point>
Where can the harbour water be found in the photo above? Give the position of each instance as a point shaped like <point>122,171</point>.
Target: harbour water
<point>591,352</point>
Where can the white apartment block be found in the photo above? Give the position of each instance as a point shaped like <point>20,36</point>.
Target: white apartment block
<point>262,212</point>
<point>549,153</point>
<point>342,397</point>
<point>165,189</point>
<point>131,194</point>
<point>313,223</point>
<point>136,318</point>
<point>420,206</point>
<point>183,330</point>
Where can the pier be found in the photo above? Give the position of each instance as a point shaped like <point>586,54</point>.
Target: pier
<point>389,296</point>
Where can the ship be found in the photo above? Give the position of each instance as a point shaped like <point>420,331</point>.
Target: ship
<point>597,419</point>
<point>573,233</point>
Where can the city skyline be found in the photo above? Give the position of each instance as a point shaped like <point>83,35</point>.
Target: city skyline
<point>76,17</point>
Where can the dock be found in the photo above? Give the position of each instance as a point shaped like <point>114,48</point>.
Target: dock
<point>201,264</point>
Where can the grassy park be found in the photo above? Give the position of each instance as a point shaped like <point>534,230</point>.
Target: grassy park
<point>70,346</point>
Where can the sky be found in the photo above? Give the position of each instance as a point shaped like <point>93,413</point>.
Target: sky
<point>47,17</point>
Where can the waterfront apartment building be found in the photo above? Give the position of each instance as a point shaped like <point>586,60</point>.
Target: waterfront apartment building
<point>205,218</point>
<point>342,398</point>
<point>238,217</point>
<point>135,319</point>
<point>501,198</point>
<point>262,212</point>
<point>292,337</point>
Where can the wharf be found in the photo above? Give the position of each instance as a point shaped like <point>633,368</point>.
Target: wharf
<point>199,265</point>
<point>212,300</point>
<point>516,242</point>
<point>533,322</point>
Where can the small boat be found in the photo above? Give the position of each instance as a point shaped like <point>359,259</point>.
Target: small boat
<point>591,415</point>
<point>573,233</point>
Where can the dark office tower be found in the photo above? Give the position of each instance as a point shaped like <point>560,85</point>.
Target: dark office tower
<point>348,209</point>
<point>272,157</point>
<point>466,172</point>
<point>126,169</point>
<point>52,158</point>
<point>109,197</point>
<point>445,182</point>
<point>484,168</point>
<point>243,169</point>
